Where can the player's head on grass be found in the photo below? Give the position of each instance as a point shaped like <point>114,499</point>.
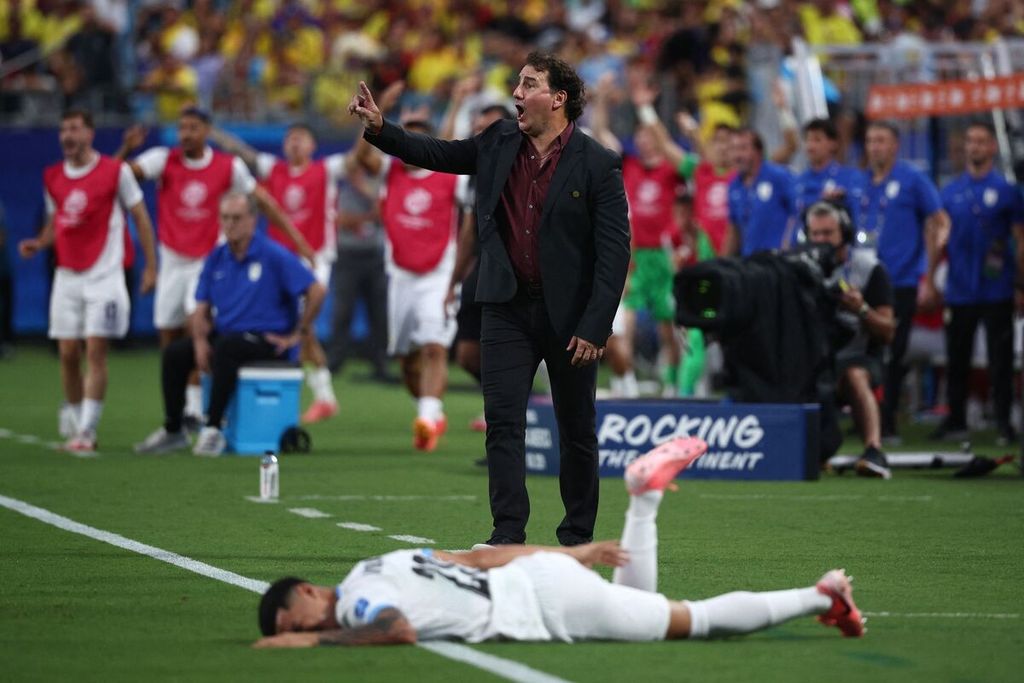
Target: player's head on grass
<point>294,604</point>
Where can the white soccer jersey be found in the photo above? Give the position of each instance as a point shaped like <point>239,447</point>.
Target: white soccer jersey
<point>442,600</point>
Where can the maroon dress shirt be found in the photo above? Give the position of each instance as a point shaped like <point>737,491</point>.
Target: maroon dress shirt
<point>523,200</point>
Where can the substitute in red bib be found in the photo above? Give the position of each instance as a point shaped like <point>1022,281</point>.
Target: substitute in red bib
<point>419,213</point>
<point>86,196</point>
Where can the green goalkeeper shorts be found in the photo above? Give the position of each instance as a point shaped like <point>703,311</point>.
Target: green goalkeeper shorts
<point>650,284</point>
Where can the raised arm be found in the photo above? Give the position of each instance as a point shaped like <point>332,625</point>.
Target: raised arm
<point>389,628</point>
<point>363,154</point>
<point>643,100</point>
<point>462,89</point>
<point>132,139</point>
<point>787,123</point>
<point>232,144</point>
<point>445,156</point>
<point>599,116</point>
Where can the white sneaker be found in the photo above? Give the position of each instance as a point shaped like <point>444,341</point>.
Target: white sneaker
<point>210,443</point>
<point>83,443</point>
<point>67,421</point>
<point>162,441</point>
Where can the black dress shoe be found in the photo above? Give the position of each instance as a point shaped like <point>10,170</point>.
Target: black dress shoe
<point>568,541</point>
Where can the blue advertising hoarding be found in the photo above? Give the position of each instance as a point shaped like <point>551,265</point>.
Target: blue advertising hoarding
<point>746,441</point>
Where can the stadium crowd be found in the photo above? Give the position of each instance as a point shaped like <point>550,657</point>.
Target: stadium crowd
<point>674,87</point>
<point>266,59</point>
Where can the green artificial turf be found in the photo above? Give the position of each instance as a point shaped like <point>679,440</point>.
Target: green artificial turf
<point>75,608</point>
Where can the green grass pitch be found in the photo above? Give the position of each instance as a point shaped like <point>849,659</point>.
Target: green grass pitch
<point>936,559</point>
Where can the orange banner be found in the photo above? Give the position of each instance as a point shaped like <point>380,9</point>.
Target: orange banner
<point>949,97</point>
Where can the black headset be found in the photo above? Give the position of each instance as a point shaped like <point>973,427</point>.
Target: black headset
<point>839,207</point>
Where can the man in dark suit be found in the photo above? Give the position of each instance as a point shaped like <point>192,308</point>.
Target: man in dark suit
<point>554,250</point>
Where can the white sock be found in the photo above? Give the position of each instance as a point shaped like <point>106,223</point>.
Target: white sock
<point>615,385</point>
<point>319,381</point>
<point>630,389</point>
<point>640,539</point>
<point>194,400</point>
<point>90,417</point>
<point>744,612</point>
<point>430,407</point>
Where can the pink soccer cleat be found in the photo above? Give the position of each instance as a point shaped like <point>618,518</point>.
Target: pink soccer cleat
<point>441,424</point>
<point>843,614</point>
<point>425,434</point>
<point>319,410</point>
<point>478,424</point>
<point>655,470</point>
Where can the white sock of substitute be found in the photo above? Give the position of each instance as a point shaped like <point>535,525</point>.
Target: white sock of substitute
<point>615,386</point>
<point>744,612</point>
<point>194,400</point>
<point>319,381</point>
<point>630,389</point>
<point>430,407</point>
<point>640,540</point>
<point>91,412</point>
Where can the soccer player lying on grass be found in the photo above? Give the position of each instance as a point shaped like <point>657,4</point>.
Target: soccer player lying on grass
<point>534,593</point>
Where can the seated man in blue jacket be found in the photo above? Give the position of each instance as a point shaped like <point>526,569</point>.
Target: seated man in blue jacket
<point>248,309</point>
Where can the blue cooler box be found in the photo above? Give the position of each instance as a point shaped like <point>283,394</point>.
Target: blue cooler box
<point>265,404</point>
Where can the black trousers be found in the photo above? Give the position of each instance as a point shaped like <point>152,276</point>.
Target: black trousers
<point>904,303</point>
<point>515,336</point>
<point>229,353</point>
<point>359,273</point>
<point>963,321</point>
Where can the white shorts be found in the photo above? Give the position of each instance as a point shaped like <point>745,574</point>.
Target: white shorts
<point>577,604</point>
<point>83,305</point>
<point>619,321</point>
<point>175,289</point>
<point>322,265</point>
<point>416,312</point>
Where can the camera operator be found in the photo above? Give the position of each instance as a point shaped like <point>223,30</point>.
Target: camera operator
<point>865,309</point>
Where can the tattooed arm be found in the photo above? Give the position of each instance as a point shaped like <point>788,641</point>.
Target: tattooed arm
<point>389,628</point>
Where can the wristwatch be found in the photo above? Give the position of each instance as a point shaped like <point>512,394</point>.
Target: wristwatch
<point>862,312</point>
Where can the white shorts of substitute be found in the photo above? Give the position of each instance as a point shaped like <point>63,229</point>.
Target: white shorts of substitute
<point>175,289</point>
<point>88,305</point>
<point>416,311</point>
<point>577,604</point>
<point>323,263</point>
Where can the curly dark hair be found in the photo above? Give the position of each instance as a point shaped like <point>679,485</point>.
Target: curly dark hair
<point>561,76</point>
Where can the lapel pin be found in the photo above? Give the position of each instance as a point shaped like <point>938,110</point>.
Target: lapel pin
<point>575,194</point>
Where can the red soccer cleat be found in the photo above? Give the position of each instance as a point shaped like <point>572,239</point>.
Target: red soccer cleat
<point>843,614</point>
<point>319,410</point>
<point>655,470</point>
<point>425,434</point>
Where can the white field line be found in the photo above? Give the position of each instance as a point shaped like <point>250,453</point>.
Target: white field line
<point>309,513</point>
<point>358,526</point>
<point>502,668</point>
<point>384,498</point>
<point>942,615</point>
<point>815,498</point>
<point>33,440</point>
<point>416,540</point>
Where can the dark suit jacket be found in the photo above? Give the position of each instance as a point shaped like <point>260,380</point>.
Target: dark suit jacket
<point>584,230</point>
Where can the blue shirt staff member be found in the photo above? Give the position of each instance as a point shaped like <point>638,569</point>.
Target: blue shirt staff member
<point>248,302</point>
<point>899,216</point>
<point>761,199</point>
<point>986,254</point>
<point>825,178</point>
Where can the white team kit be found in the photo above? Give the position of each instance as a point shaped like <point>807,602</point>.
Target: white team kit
<point>187,221</point>
<point>309,198</point>
<point>419,211</point>
<point>543,596</point>
<point>89,296</point>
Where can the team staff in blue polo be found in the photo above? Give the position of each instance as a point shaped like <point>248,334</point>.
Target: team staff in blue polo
<point>248,309</point>
<point>825,178</point>
<point>761,199</point>
<point>899,216</point>
<point>986,255</point>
